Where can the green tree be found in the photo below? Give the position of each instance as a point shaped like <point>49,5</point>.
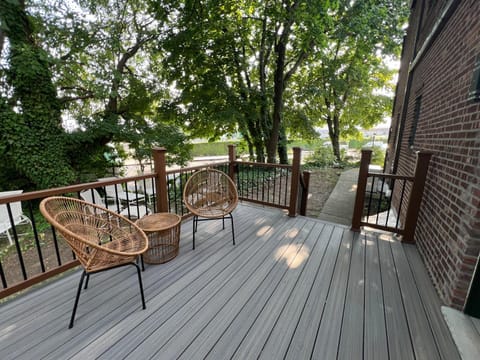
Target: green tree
<point>347,82</point>
<point>231,62</point>
<point>87,61</point>
<point>30,129</point>
<point>105,71</point>
<point>270,68</point>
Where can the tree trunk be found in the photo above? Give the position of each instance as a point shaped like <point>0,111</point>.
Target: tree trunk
<point>272,142</point>
<point>334,134</point>
<point>259,149</point>
<point>282,146</point>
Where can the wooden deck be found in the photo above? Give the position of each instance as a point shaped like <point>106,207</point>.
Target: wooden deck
<point>292,288</point>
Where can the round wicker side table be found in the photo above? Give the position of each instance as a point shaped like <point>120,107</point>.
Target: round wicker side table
<point>163,231</point>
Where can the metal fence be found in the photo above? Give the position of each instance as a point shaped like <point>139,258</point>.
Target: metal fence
<point>389,202</point>
<point>31,251</point>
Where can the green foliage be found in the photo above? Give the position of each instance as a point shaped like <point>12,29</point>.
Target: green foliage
<point>378,156</point>
<point>322,157</point>
<point>345,83</point>
<point>212,148</point>
<point>90,62</point>
<point>31,133</point>
<point>136,72</point>
<point>223,62</point>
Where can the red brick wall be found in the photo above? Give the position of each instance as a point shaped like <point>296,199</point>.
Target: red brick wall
<point>448,230</point>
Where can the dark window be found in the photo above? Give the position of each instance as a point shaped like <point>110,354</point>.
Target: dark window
<point>416,116</point>
<point>474,93</point>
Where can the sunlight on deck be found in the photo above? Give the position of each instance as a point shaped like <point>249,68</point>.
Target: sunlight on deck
<point>294,255</point>
<point>263,230</point>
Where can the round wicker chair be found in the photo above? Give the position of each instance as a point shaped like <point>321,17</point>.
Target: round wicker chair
<point>211,195</point>
<point>101,239</point>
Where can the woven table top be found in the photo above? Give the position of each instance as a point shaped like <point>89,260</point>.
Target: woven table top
<point>158,222</point>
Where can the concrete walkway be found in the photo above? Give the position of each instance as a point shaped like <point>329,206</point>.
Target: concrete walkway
<point>339,206</point>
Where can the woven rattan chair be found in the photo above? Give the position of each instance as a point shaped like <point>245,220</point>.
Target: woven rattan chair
<point>101,239</point>
<point>210,194</point>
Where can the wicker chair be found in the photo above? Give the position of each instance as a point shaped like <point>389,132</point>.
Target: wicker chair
<point>101,239</point>
<point>211,195</point>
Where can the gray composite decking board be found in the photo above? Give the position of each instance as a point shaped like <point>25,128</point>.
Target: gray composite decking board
<point>53,321</point>
<point>239,317</point>
<point>144,327</point>
<point>231,298</point>
<point>109,321</point>
<point>222,298</point>
<point>254,341</point>
<point>206,339</point>
<point>100,320</point>
<point>422,338</point>
<point>476,324</point>
<point>351,336</point>
<point>39,347</point>
<point>432,305</point>
<point>109,317</point>
<point>375,335</point>
<point>398,335</point>
<point>328,335</point>
<point>186,288</point>
<point>279,339</point>
<point>303,340</point>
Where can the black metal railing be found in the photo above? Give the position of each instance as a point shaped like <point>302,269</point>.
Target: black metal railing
<point>32,252</point>
<point>267,184</point>
<point>380,208</point>
<point>389,202</point>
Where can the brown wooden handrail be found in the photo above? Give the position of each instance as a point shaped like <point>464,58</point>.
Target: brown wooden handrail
<point>414,200</point>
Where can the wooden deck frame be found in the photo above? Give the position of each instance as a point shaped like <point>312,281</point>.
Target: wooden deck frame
<point>292,288</point>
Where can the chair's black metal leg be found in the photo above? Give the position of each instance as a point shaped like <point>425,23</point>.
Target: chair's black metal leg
<point>195,224</point>
<point>86,281</point>
<point>141,262</point>
<point>141,285</point>
<point>233,230</point>
<point>77,298</point>
<point>223,222</point>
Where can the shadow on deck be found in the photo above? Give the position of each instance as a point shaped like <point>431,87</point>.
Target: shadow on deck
<point>294,288</point>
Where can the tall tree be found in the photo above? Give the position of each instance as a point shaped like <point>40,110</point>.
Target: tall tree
<point>347,84</point>
<point>104,70</point>
<point>31,134</point>
<point>90,63</point>
<point>233,60</point>
<point>262,67</point>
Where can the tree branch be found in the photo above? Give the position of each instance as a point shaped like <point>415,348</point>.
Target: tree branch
<point>2,42</point>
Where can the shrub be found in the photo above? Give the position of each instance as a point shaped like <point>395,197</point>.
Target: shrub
<point>321,157</point>
<point>378,156</point>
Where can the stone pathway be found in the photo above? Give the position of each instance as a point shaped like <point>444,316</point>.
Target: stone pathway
<point>339,206</point>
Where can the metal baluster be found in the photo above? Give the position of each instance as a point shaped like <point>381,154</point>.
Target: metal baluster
<point>35,235</point>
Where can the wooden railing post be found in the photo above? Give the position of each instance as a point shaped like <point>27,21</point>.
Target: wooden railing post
<point>297,154</point>
<point>160,168</point>
<point>304,197</point>
<point>361,187</point>
<point>231,161</point>
<point>416,194</point>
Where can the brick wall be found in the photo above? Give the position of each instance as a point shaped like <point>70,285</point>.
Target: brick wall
<point>448,230</point>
